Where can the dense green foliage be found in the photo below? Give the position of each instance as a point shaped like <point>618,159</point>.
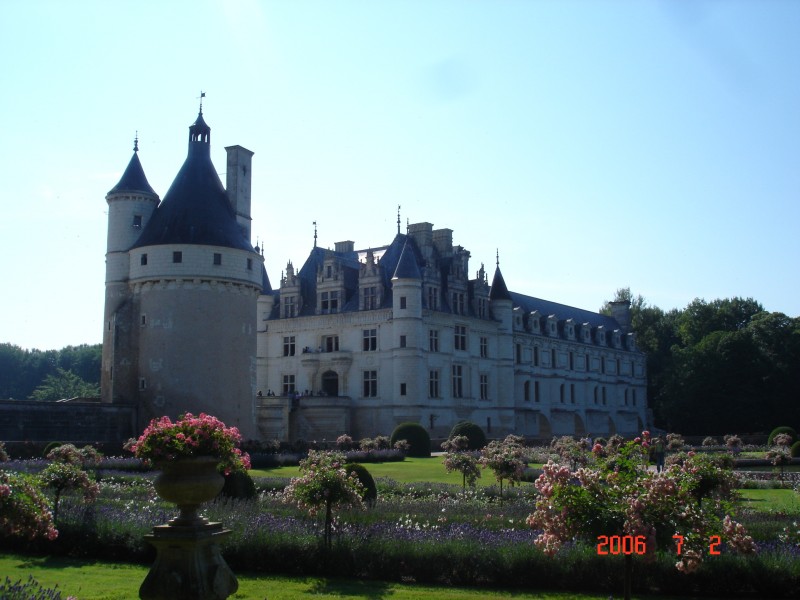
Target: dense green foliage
<point>370,490</point>
<point>238,485</point>
<point>718,367</point>
<point>473,433</point>
<point>416,435</point>
<point>23,371</point>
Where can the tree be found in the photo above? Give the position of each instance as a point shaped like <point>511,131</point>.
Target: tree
<point>505,459</point>
<point>64,384</point>
<point>323,484</point>
<point>459,458</point>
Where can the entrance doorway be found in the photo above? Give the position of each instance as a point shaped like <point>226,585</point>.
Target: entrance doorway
<point>330,383</point>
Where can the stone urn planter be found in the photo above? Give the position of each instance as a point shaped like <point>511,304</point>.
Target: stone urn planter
<point>188,483</point>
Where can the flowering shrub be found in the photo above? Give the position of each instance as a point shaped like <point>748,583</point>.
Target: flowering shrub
<point>709,441</point>
<point>734,443</point>
<point>3,454</point>
<point>189,437</point>
<point>24,511</point>
<point>61,477</point>
<point>344,443</point>
<point>505,459</point>
<point>86,457</point>
<point>323,484</point>
<point>458,458</point>
<point>675,441</point>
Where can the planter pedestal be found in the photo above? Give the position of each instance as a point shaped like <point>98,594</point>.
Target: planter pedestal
<point>189,565</point>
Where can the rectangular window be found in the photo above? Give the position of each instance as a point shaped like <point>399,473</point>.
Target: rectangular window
<point>143,320</point>
<point>288,307</point>
<point>217,258</point>
<point>402,341</point>
<point>433,340</point>
<point>402,389</point>
<point>518,350</point>
<point>288,345</point>
<point>142,383</point>
<point>484,387</point>
<point>457,302</point>
<point>330,343</point>
<point>553,363</point>
<point>571,361</point>
<point>572,393</point>
<point>177,257</point>
<point>137,221</point>
<point>402,301</point>
<point>249,264</point>
<point>370,384</point>
<point>369,340</point>
<point>458,381</point>
<point>370,298</point>
<point>536,397</point>
<point>433,384</point>
<point>482,308</point>
<point>461,337</point>
<point>329,302</point>
<point>484,347</point>
<point>433,298</point>
<point>143,259</point>
<point>288,385</point>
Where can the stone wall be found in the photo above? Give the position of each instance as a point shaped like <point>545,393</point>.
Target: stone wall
<point>85,422</point>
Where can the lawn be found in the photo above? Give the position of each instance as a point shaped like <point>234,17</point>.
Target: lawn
<point>410,470</point>
<point>94,580</point>
<point>768,500</point>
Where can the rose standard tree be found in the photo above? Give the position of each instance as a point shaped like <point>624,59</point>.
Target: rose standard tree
<point>323,484</point>
<point>458,457</point>
<point>620,500</point>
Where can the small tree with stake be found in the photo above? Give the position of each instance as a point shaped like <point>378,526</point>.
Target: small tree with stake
<point>505,459</point>
<point>458,458</point>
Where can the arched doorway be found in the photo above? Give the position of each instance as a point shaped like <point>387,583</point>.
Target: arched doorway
<point>330,383</point>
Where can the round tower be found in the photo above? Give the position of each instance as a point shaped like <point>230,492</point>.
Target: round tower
<point>407,332</point>
<point>130,205</point>
<point>195,280</point>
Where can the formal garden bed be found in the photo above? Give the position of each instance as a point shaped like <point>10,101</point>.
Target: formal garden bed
<point>423,532</point>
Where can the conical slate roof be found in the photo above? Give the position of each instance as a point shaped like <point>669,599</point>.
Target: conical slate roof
<point>499,290</point>
<point>196,209</point>
<point>407,267</point>
<point>133,179</point>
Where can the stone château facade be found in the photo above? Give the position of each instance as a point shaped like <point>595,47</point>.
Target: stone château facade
<point>354,341</point>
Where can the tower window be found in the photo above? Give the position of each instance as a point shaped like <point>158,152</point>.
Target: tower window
<point>143,320</point>
<point>177,257</point>
<point>143,259</point>
<point>217,258</point>
<point>402,301</point>
<point>137,221</point>
<point>402,389</point>
<point>249,264</point>
<point>402,341</point>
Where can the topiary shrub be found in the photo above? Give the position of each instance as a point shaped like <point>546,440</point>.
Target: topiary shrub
<point>473,433</point>
<point>239,485</point>
<point>417,437</point>
<point>366,479</point>
<point>794,451</point>
<point>782,429</point>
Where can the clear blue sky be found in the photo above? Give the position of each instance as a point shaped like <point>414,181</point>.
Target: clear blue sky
<point>596,144</point>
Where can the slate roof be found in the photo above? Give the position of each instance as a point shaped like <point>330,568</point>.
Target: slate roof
<point>195,209</point>
<point>562,311</point>
<point>133,179</point>
<point>499,290</point>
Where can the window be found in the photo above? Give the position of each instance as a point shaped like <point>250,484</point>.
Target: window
<point>329,302</point>
<point>137,221</point>
<point>402,389</point>
<point>561,393</point>
<point>370,384</point>
<point>458,381</point>
<point>527,392</point>
<point>433,384</point>
<point>518,350</point>
<point>217,258</point>
<point>143,320</point>
<point>142,383</point>
<point>571,361</point>
<point>553,358</point>
<point>177,257</point>
<point>604,395</point>
<point>402,301</point>
<point>536,356</point>
<point>433,298</point>
<point>288,345</point>
<point>288,385</point>
<point>330,343</point>
<point>370,340</point>
<point>634,397</point>
<point>288,307</point>
<point>402,341</point>
<point>482,308</point>
<point>457,301</point>
<point>536,396</point>
<point>572,393</point>
<point>484,347</point>
<point>249,264</point>
<point>484,386</point>
<point>370,295</point>
<point>461,337</point>
<point>433,340</point>
<point>143,259</point>
<point>328,271</point>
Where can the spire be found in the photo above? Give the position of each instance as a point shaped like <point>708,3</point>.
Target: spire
<point>398,219</point>
<point>200,133</point>
<point>499,290</point>
<point>315,234</point>
<point>134,179</point>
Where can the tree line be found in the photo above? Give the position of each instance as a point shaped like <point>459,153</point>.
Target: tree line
<point>725,366</point>
<point>49,374</point>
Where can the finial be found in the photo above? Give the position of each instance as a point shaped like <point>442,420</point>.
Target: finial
<point>136,142</point>
<point>202,95</point>
<point>398,219</point>
<point>407,225</point>
<point>257,248</point>
<point>498,258</point>
<point>315,234</point>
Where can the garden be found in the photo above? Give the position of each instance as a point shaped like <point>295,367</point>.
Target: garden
<point>603,517</point>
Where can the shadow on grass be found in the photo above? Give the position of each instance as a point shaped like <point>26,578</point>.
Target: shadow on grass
<point>368,589</point>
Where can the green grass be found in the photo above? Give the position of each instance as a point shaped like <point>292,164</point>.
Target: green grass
<point>411,470</point>
<point>766,500</point>
<point>94,580</point>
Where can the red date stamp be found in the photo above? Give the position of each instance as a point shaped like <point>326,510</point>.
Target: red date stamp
<point>629,544</point>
